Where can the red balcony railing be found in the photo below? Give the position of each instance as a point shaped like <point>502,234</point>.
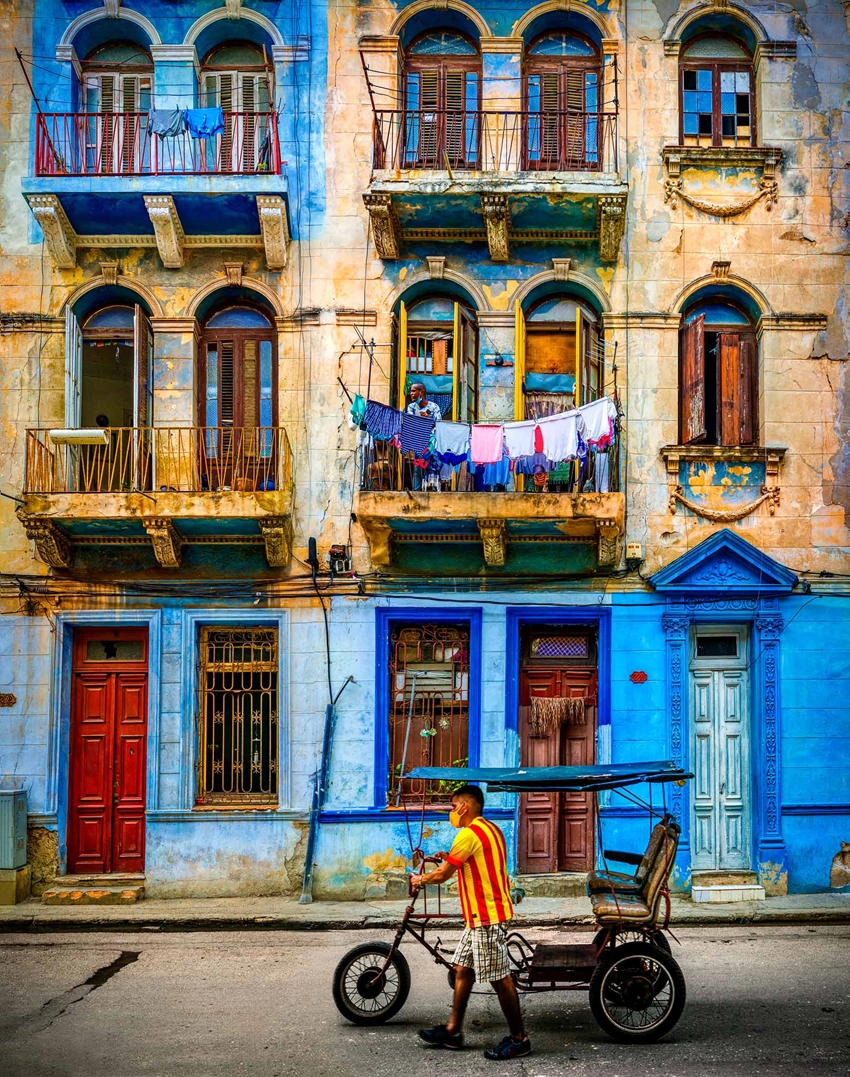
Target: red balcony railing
<point>121,144</point>
<point>555,141</point>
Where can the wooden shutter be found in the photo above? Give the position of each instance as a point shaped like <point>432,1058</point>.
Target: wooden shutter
<point>591,360</point>
<point>249,383</point>
<point>73,370</point>
<point>457,362</point>
<point>141,369</point>
<point>129,105</point>
<point>401,354</point>
<point>736,360</point>
<point>225,100</point>
<point>429,124</point>
<point>574,98</point>
<point>692,382</point>
<point>551,104</point>
<point>519,363</point>
<point>226,383</point>
<point>747,416</point>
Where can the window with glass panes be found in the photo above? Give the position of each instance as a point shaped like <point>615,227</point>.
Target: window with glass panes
<point>717,99</point>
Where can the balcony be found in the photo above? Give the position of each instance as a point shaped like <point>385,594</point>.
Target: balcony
<point>104,180</point>
<point>503,177</point>
<point>165,488</point>
<point>571,524</point>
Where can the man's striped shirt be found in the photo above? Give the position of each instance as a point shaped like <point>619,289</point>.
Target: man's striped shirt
<point>480,854</point>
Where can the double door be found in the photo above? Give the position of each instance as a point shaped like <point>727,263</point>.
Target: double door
<point>107,781</point>
<point>556,830</point>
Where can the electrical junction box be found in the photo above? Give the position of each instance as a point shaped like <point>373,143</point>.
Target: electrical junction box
<point>13,828</point>
<point>634,551</point>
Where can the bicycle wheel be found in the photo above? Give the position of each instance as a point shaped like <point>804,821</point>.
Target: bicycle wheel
<point>637,993</point>
<point>657,938</point>
<point>363,993</point>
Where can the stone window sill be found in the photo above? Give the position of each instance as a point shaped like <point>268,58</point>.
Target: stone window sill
<point>676,158</point>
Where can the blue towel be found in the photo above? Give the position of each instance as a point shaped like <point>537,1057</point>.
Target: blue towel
<point>204,122</point>
<point>165,122</point>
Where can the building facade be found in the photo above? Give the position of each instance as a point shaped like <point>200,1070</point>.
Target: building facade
<point>222,225</point>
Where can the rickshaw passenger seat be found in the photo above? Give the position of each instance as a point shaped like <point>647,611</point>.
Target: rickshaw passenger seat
<point>621,881</point>
<point>641,906</point>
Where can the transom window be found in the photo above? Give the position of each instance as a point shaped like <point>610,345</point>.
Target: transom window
<point>717,93</point>
<point>238,717</point>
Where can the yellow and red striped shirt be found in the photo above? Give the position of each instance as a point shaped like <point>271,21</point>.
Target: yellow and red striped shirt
<point>480,854</point>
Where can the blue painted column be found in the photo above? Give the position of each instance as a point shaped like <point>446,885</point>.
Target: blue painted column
<point>676,628</point>
<point>772,851</point>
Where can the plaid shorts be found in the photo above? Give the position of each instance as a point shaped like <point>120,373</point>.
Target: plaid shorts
<point>484,949</point>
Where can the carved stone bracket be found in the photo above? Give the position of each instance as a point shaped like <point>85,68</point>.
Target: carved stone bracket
<point>113,8</point>
<point>60,237</point>
<point>494,535</point>
<point>561,268</point>
<point>51,543</point>
<point>167,229</point>
<point>233,8</point>
<point>386,227</point>
<point>233,272</point>
<point>275,229</point>
<point>497,221</point>
<point>165,539</point>
<point>612,225</point>
<point>277,535</point>
<point>436,267</point>
<point>715,157</point>
<point>109,271</point>
<point>770,494</point>
<point>608,542</point>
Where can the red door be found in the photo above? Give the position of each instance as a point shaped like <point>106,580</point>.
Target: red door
<point>106,813</point>
<point>557,829</point>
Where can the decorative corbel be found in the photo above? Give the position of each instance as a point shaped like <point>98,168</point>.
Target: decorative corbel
<point>165,539</point>
<point>436,267</point>
<point>51,543</point>
<point>275,229</point>
<point>109,272</point>
<point>233,8</point>
<point>494,536</point>
<point>167,229</point>
<point>60,237</point>
<point>612,225</point>
<point>233,272</point>
<point>386,227</point>
<point>608,542</point>
<point>497,221</point>
<point>277,535</point>
<point>561,268</point>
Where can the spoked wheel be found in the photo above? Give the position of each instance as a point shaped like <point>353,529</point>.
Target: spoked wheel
<point>363,993</point>
<point>657,938</point>
<point>637,992</point>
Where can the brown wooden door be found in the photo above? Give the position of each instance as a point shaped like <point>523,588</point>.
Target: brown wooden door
<point>557,829</point>
<point>107,783</point>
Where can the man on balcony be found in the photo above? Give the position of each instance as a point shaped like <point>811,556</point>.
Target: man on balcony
<point>421,405</point>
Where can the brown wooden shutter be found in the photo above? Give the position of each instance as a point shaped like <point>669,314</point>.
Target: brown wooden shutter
<point>747,418</point>
<point>429,103</point>
<point>225,384</point>
<point>249,383</point>
<point>455,104</point>
<point>574,99</point>
<point>225,100</point>
<point>729,362</point>
<point>692,382</point>
<point>550,98</point>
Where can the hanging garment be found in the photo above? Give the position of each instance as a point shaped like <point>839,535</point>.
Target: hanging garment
<point>204,122</point>
<point>451,442</point>
<point>485,443</point>
<point>497,475</point>
<point>520,437</point>
<point>602,472</point>
<point>537,464</point>
<point>416,433</point>
<point>560,436</point>
<point>165,122</point>
<point>357,414</point>
<point>597,421</point>
<point>382,421</point>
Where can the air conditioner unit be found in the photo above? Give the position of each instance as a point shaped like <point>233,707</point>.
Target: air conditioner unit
<point>13,828</point>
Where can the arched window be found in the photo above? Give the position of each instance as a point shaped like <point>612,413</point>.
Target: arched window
<point>238,376</point>
<point>115,368</point>
<point>440,347</point>
<point>116,92</point>
<point>442,80</point>
<point>563,74</point>
<point>717,102</point>
<point>561,356</point>
<point>237,78</point>
<point>717,374</point>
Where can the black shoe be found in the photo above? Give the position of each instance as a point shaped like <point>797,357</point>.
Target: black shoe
<point>439,1037</point>
<point>509,1048</point>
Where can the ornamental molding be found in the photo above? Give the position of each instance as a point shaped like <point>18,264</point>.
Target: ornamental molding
<point>233,8</point>
<point>51,543</point>
<point>795,323</point>
<point>436,267</point>
<point>60,237</point>
<point>769,491</point>
<point>277,537</point>
<point>297,52</point>
<point>180,324</point>
<point>677,158</point>
<point>607,542</point>
<point>503,46</point>
<point>109,271</point>
<point>497,223</point>
<point>386,227</point>
<point>494,536</point>
<point>646,319</point>
<point>770,494</point>
<point>174,54</point>
<point>166,540</point>
<point>168,231</point>
<point>274,228</point>
<point>233,272</point>
<point>611,211</point>
<point>561,268</point>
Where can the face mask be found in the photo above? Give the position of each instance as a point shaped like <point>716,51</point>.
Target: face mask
<point>454,819</point>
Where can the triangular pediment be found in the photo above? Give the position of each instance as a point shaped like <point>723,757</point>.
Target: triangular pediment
<point>728,564</point>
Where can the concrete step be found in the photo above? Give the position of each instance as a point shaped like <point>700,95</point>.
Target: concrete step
<point>724,878</point>
<point>117,889</point>
<point>723,894</point>
<point>563,884</point>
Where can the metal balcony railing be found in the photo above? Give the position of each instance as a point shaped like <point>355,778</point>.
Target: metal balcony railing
<point>555,141</point>
<point>121,144</point>
<point>191,460</point>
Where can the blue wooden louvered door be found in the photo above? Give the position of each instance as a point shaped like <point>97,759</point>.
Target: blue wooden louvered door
<point>720,754</point>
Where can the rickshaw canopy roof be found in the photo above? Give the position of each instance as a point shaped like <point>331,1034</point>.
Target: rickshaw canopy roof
<point>540,779</point>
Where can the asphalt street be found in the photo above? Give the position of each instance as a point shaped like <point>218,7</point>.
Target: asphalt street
<point>761,1001</point>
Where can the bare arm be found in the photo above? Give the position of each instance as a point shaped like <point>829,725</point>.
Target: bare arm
<point>439,875</point>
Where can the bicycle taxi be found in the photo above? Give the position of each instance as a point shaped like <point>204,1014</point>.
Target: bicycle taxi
<point>636,988</point>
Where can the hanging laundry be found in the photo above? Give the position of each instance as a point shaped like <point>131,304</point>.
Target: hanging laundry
<point>597,421</point>
<point>537,464</point>
<point>357,414</point>
<point>165,122</point>
<point>204,122</point>
<point>382,421</point>
<point>485,443</point>
<point>560,436</point>
<point>416,434</point>
<point>495,476</point>
<point>602,472</point>
<point>520,438</point>
<point>451,442</point>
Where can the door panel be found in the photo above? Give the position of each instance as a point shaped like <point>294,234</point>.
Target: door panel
<point>538,812</point>
<point>130,774</point>
<point>91,772</point>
